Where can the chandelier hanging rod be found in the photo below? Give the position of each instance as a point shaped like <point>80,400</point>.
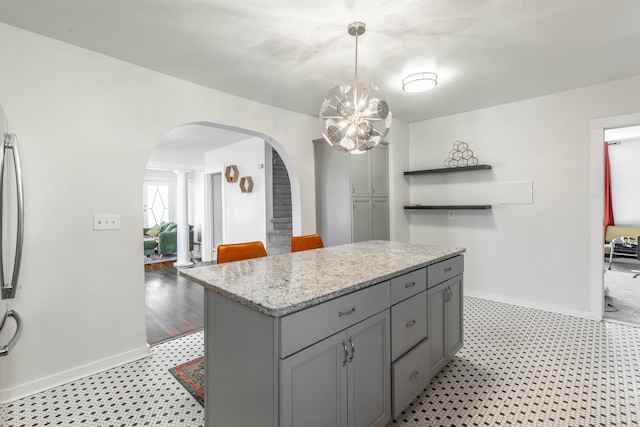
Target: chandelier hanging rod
<point>356,29</point>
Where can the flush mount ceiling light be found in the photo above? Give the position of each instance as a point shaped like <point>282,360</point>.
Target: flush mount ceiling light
<point>419,82</point>
<point>354,118</point>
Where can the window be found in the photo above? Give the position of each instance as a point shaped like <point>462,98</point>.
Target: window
<point>158,203</point>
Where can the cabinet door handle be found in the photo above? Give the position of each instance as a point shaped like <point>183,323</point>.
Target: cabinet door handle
<point>410,323</point>
<point>409,285</point>
<point>447,294</point>
<point>448,269</point>
<point>353,188</point>
<point>347,313</point>
<point>353,348</point>
<point>414,376</point>
<point>346,353</point>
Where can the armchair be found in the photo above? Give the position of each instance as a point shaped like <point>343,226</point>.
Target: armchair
<point>168,239</point>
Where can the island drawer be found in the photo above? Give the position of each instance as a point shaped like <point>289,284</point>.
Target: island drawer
<point>444,270</point>
<point>306,327</point>
<point>408,324</point>
<point>402,287</point>
<point>410,377</point>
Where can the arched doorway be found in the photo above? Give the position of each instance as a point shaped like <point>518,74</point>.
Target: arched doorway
<point>218,211</point>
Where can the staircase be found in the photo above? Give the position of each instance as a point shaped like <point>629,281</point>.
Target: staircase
<point>279,235</point>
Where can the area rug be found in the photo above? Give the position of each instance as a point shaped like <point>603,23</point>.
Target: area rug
<point>191,376</point>
<point>156,259</point>
<point>623,302</point>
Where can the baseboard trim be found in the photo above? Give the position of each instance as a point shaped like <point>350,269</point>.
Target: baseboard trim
<point>65,377</point>
<point>523,303</point>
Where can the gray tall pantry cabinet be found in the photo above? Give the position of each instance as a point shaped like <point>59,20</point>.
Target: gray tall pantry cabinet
<point>352,194</point>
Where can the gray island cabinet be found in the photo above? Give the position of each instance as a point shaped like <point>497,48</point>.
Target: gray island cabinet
<point>342,336</point>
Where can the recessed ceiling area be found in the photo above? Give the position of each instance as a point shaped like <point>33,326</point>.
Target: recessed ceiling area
<point>200,138</point>
<point>289,54</point>
<point>188,143</point>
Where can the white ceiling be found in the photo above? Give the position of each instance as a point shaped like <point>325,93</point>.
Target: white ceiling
<point>199,138</point>
<point>289,53</point>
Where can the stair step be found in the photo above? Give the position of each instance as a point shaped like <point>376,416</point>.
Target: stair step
<point>284,219</point>
<point>283,226</point>
<point>281,212</point>
<point>282,189</point>
<point>279,233</point>
<point>279,240</point>
<point>277,250</point>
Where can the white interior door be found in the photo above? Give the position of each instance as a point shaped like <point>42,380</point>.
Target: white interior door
<point>213,232</point>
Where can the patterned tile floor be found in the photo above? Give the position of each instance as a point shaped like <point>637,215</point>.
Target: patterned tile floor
<point>518,367</point>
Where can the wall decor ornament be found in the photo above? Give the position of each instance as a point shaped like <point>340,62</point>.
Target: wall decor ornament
<point>246,184</point>
<point>231,173</point>
<point>460,156</point>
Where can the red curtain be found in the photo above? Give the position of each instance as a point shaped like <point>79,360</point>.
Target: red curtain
<point>608,201</point>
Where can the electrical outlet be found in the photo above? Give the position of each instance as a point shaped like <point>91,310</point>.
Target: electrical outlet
<point>106,222</point>
<point>452,214</point>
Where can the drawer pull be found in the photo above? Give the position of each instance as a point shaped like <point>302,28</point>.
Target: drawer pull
<point>346,353</point>
<point>448,269</point>
<point>410,323</point>
<point>353,348</point>
<point>347,313</point>
<point>410,285</point>
<point>414,376</point>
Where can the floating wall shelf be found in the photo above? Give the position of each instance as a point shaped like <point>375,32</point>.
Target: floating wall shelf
<point>448,207</point>
<point>449,170</point>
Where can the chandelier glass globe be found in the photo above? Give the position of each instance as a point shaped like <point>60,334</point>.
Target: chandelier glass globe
<point>354,116</point>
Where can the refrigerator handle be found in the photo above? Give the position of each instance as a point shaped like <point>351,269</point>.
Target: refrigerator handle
<point>7,348</point>
<point>8,290</point>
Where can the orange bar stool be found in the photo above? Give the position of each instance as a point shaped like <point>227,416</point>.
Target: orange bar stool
<point>304,243</point>
<point>240,251</point>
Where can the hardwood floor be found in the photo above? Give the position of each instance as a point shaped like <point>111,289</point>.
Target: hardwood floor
<point>175,305</point>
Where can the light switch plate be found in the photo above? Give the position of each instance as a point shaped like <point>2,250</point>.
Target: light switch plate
<point>106,222</point>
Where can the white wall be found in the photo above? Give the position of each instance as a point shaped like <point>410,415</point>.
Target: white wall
<point>398,139</point>
<point>87,124</point>
<point>538,254</point>
<point>625,177</point>
<point>244,213</point>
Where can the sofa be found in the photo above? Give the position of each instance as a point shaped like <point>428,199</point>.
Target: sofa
<point>166,236</point>
<point>626,239</point>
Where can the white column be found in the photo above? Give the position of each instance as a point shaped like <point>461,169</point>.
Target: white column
<point>182,219</point>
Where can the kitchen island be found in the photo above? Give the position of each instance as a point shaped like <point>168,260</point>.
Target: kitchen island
<point>346,335</point>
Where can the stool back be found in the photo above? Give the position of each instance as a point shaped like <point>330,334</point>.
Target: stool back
<point>303,243</point>
<point>240,251</point>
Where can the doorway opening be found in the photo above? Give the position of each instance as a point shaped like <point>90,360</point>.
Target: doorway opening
<point>622,225</point>
<point>218,211</point>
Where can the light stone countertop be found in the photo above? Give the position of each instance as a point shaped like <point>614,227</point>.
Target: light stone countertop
<point>282,284</point>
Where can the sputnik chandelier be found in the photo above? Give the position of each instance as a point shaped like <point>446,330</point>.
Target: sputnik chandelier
<point>354,117</point>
